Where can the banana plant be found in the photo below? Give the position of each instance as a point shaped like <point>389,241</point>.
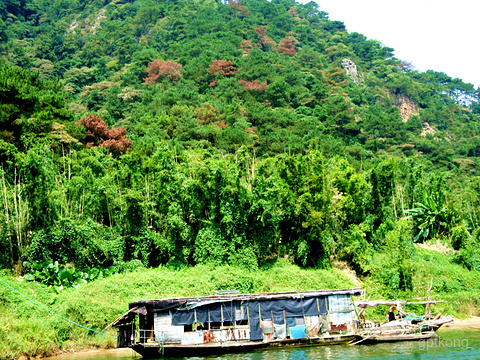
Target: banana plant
<point>429,217</point>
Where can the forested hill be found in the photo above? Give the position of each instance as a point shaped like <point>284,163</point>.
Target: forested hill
<point>184,132</point>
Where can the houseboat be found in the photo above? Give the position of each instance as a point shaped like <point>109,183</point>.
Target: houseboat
<point>232,322</point>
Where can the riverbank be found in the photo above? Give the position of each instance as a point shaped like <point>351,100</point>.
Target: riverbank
<point>88,354</point>
<point>32,331</point>
<point>471,322</point>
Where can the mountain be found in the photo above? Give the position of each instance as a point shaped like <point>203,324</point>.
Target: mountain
<point>188,132</point>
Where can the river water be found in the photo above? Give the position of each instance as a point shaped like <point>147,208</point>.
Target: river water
<point>451,344</point>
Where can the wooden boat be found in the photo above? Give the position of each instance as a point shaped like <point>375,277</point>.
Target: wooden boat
<point>406,327</point>
<point>370,338</point>
<point>231,322</point>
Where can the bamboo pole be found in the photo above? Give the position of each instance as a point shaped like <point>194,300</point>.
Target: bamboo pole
<point>7,217</point>
<point>17,212</point>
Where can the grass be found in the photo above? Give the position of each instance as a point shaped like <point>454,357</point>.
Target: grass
<point>453,283</point>
<point>30,330</point>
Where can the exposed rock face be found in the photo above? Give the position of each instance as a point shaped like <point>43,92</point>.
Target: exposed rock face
<point>427,129</point>
<point>88,25</point>
<point>405,105</point>
<point>407,108</point>
<point>351,70</point>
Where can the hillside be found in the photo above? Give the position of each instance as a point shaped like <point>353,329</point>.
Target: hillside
<point>136,134</point>
<point>217,144</point>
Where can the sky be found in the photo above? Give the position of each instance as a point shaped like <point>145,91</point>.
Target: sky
<point>440,35</point>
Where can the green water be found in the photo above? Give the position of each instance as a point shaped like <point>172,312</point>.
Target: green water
<point>451,344</point>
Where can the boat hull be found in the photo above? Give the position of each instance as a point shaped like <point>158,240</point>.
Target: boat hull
<point>375,339</point>
<point>151,351</point>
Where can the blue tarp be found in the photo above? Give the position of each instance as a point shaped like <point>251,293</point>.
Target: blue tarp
<point>256,332</point>
<point>293,308</point>
<point>298,332</point>
<point>187,317</point>
<point>275,308</point>
<point>290,322</point>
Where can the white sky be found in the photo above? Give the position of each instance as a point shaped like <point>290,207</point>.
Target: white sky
<point>441,35</point>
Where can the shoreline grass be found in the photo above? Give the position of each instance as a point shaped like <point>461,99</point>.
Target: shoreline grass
<point>31,331</point>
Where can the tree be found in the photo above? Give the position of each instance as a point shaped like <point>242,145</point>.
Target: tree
<point>237,9</point>
<point>157,69</point>
<point>254,85</point>
<point>221,68</point>
<point>224,67</point>
<point>98,134</point>
<point>28,105</point>
<point>286,47</point>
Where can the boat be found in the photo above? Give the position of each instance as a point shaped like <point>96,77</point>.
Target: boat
<point>233,322</point>
<point>404,327</point>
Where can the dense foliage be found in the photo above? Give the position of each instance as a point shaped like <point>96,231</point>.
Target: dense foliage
<point>205,132</point>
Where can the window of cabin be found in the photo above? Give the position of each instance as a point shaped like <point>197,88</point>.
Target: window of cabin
<point>189,328</point>
<point>228,324</point>
<point>215,325</point>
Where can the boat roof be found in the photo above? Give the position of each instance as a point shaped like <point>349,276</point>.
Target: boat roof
<point>223,297</point>
<point>373,303</point>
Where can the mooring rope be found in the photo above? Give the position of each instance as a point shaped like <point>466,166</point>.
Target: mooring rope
<point>54,313</point>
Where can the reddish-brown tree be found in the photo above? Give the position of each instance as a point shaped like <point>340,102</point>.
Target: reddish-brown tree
<point>224,67</point>
<point>237,8</point>
<point>261,32</point>
<point>169,69</point>
<point>98,134</point>
<point>254,85</point>
<point>95,128</point>
<point>286,46</point>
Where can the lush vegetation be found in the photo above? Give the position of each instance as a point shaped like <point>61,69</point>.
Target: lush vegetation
<point>142,134</point>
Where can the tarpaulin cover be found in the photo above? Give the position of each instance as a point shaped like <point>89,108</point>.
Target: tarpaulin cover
<point>202,315</point>
<point>341,309</point>
<point>183,318</point>
<point>275,308</point>
<point>187,317</point>
<point>280,331</point>
<point>298,332</point>
<point>228,312</point>
<point>291,322</point>
<point>292,308</point>
<point>256,332</point>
